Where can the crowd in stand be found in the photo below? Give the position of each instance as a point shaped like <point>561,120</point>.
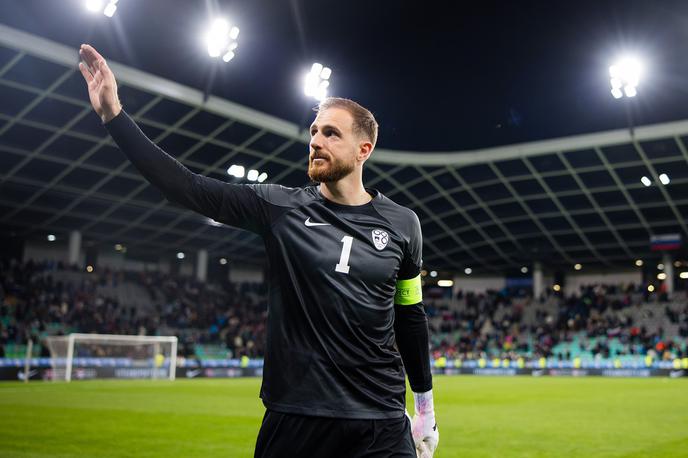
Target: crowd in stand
<point>33,304</point>
<point>35,301</point>
<point>492,325</point>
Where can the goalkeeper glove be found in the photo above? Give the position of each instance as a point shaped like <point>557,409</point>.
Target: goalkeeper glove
<point>424,427</point>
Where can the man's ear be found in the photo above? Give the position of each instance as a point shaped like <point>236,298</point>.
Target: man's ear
<point>365,149</point>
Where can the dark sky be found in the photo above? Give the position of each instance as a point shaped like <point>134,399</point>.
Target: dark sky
<point>438,75</point>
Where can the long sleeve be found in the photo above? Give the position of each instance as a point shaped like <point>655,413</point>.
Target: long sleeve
<point>410,321</point>
<point>233,204</point>
<point>411,330</point>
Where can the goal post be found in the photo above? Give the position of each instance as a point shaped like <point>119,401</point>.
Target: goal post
<point>126,356</point>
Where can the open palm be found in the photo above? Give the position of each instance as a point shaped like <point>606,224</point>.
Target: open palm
<point>102,87</point>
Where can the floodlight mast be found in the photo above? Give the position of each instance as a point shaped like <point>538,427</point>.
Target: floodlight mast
<point>624,77</point>
<point>221,44</point>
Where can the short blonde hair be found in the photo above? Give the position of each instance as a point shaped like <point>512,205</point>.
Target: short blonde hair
<point>364,121</point>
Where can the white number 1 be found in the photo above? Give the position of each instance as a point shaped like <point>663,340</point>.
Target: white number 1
<point>343,264</point>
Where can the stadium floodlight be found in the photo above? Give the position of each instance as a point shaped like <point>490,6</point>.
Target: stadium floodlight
<point>661,276</point>
<point>639,263</point>
<point>624,77</point>
<point>468,271</point>
<point>94,6</point>
<point>524,270</point>
<point>180,255</point>
<point>646,181</point>
<point>650,288</point>
<point>236,171</point>
<point>664,178</point>
<point>556,288</point>
<point>99,6</point>
<point>660,266</point>
<point>223,261</point>
<point>252,175</point>
<point>110,9</point>
<point>445,283</point>
<point>221,39</point>
<point>683,275</point>
<point>433,273</point>
<point>317,81</point>
<point>578,266</point>
<point>89,268</point>
<point>51,237</point>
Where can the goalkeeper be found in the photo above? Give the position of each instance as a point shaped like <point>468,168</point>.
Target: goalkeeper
<point>345,312</point>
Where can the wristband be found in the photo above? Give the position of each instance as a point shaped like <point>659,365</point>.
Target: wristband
<point>423,403</point>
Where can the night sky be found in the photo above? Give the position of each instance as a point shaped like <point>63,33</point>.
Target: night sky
<point>439,76</point>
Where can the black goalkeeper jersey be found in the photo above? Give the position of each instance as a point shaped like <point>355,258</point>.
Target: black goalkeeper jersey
<point>332,273</point>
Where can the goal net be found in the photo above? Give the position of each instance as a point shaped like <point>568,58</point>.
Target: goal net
<point>79,356</point>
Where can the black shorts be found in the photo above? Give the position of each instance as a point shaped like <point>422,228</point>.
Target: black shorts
<point>294,436</point>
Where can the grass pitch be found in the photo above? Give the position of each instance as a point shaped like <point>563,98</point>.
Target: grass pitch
<point>477,416</point>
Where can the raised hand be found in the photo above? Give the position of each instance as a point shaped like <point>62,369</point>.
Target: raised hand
<point>102,87</point>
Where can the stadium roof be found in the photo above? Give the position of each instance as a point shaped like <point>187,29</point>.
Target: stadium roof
<point>570,200</point>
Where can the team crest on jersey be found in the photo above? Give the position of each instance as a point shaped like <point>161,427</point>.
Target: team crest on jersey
<point>380,239</point>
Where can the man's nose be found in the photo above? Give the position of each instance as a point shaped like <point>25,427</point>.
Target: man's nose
<point>315,142</point>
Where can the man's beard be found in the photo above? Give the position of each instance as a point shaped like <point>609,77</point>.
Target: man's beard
<point>334,171</point>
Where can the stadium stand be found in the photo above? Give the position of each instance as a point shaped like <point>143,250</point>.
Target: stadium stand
<point>39,299</point>
<point>600,322</point>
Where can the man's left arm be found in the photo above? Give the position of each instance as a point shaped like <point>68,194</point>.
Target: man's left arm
<point>411,331</point>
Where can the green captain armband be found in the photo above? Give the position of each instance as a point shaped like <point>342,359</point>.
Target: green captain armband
<point>409,291</point>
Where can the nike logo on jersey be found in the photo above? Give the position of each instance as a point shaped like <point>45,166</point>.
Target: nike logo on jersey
<point>434,428</point>
<point>310,223</point>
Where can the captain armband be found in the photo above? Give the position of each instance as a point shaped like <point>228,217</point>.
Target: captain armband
<point>409,291</point>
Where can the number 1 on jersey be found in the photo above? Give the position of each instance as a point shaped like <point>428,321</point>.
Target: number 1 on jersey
<point>343,264</point>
